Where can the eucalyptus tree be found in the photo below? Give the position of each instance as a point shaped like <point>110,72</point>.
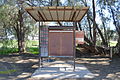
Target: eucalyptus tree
<point>94,28</point>
<point>23,22</point>
<point>2,23</point>
<point>102,34</point>
<point>113,7</point>
<point>5,20</point>
<point>14,18</point>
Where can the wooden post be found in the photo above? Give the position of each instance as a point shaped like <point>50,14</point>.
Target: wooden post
<point>39,47</point>
<point>40,58</point>
<point>74,48</point>
<point>111,52</point>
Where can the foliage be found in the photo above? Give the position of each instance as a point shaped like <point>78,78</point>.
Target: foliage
<point>32,43</point>
<point>8,46</point>
<point>6,51</point>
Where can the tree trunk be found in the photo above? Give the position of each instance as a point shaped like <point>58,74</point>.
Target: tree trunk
<point>89,27</point>
<point>51,3</point>
<point>105,39</point>
<point>21,35</point>
<point>94,23</point>
<point>118,45</point>
<point>101,34</point>
<point>57,2</point>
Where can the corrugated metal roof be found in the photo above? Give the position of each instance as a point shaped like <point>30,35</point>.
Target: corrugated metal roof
<point>57,13</point>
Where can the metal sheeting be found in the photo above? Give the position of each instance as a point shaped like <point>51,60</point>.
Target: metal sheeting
<point>80,37</point>
<point>60,43</point>
<point>68,14</point>
<point>44,41</point>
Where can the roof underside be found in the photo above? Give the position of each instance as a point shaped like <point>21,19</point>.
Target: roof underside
<point>67,14</point>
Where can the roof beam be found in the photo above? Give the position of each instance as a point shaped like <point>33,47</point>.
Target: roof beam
<point>44,14</point>
<point>67,9</point>
<point>57,14</point>
<point>83,15</point>
<point>64,14</point>
<point>73,16</point>
<point>31,15</point>
<point>60,8</point>
<point>40,15</point>
<point>50,14</point>
<point>57,21</point>
<point>77,15</point>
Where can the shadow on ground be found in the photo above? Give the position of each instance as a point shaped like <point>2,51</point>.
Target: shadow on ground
<point>21,67</point>
<point>17,66</point>
<point>103,68</point>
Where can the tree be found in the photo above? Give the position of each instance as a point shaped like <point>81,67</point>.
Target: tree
<point>14,18</point>
<point>115,14</point>
<point>114,10</point>
<point>94,23</point>
<point>20,27</point>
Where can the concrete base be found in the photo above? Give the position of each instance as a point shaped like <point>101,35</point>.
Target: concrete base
<point>62,70</point>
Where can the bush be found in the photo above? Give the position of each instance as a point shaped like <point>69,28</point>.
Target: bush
<point>33,50</point>
<point>5,51</point>
<point>32,43</point>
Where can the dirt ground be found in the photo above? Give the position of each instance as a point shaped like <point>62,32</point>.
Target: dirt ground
<point>21,67</point>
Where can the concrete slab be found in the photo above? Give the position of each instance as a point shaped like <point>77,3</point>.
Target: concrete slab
<point>62,70</point>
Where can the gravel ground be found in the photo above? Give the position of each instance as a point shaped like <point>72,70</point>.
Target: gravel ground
<point>21,67</point>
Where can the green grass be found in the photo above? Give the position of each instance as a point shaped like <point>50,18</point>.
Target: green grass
<point>33,50</point>
<point>8,71</point>
<point>32,46</point>
<point>7,47</point>
<point>5,51</point>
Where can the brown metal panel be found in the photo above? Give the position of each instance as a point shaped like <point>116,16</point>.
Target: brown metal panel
<point>67,44</point>
<point>54,44</point>
<point>60,43</point>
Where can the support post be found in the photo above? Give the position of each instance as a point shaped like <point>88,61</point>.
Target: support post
<point>40,58</point>
<point>74,48</point>
<point>111,52</point>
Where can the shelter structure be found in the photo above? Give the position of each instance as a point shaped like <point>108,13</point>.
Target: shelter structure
<point>58,41</point>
